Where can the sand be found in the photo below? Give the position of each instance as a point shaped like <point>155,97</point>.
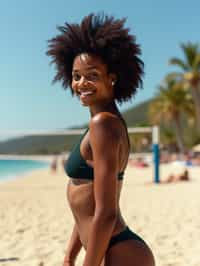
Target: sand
<point>36,222</point>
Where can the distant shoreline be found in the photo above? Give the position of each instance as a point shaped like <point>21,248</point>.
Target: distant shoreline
<point>42,162</point>
<point>38,157</point>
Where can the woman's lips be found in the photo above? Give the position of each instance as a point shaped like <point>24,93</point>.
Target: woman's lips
<point>85,94</point>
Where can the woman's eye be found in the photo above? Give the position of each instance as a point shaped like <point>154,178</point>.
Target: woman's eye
<point>93,76</point>
<point>76,77</point>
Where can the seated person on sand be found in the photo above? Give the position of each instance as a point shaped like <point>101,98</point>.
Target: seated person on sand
<point>179,177</point>
<point>138,162</point>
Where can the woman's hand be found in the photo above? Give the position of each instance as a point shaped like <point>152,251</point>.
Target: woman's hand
<point>68,262</point>
<point>74,247</point>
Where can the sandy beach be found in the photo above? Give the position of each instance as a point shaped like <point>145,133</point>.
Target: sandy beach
<point>36,221</point>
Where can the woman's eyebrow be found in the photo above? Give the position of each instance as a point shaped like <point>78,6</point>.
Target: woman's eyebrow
<point>92,68</point>
<point>88,68</point>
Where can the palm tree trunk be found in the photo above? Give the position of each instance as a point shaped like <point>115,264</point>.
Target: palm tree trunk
<point>178,133</point>
<point>196,97</point>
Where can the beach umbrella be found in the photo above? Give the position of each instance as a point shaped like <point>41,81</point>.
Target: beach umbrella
<point>196,148</point>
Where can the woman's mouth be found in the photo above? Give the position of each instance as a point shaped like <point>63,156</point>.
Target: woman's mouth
<point>84,94</point>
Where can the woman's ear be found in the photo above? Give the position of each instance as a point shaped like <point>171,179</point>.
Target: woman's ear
<point>113,78</point>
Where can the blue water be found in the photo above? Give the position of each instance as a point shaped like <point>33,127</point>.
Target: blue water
<point>10,169</point>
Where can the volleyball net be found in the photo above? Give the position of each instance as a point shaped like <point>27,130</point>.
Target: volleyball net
<point>143,140</point>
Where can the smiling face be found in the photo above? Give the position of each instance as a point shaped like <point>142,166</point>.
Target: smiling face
<point>91,81</point>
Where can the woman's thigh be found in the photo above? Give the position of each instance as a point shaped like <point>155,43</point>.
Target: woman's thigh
<point>129,253</point>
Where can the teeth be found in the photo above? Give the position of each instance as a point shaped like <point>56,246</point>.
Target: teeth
<point>87,93</point>
<point>84,93</point>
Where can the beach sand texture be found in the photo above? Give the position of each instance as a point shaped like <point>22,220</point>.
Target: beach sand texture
<point>36,222</point>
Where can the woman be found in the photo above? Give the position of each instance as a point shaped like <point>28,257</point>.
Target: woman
<point>99,61</point>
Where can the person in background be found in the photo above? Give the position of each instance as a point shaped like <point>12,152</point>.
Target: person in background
<point>53,165</point>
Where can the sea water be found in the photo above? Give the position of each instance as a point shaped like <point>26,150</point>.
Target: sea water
<point>10,169</point>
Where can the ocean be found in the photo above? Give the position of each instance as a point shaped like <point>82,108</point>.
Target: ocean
<point>11,169</point>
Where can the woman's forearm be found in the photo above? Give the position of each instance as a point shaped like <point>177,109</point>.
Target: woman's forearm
<point>99,237</point>
<point>74,245</point>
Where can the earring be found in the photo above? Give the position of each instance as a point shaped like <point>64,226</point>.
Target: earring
<point>113,83</point>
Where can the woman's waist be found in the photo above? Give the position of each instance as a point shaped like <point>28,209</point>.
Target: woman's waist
<point>84,227</point>
<point>81,199</point>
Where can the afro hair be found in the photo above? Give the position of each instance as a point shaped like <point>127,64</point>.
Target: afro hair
<point>107,38</point>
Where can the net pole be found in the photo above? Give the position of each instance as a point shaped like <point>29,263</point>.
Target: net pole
<point>156,153</point>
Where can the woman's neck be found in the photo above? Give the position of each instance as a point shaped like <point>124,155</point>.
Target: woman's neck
<point>107,107</point>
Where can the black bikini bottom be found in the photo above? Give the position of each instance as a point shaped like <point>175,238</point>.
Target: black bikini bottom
<point>126,234</point>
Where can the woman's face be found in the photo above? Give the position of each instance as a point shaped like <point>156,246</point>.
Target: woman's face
<point>91,81</point>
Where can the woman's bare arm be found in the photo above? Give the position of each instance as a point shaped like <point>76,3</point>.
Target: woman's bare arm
<point>74,247</point>
<point>104,140</point>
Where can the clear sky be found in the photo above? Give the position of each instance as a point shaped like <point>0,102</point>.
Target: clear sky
<point>29,101</point>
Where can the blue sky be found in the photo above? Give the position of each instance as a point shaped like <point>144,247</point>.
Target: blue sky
<point>28,100</point>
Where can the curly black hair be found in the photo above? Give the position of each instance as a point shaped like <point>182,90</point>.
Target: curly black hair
<point>106,38</point>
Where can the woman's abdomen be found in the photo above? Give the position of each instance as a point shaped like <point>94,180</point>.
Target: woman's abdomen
<point>82,204</point>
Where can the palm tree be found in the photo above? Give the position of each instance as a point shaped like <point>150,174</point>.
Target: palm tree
<point>190,73</point>
<point>168,138</point>
<point>168,106</point>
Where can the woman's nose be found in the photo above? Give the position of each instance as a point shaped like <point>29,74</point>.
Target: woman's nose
<point>83,81</point>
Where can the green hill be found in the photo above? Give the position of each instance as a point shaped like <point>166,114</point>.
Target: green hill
<point>137,115</point>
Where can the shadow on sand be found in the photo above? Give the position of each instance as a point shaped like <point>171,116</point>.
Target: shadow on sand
<point>9,259</point>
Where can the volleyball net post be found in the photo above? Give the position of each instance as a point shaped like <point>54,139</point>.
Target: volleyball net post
<point>156,153</point>
<point>154,131</point>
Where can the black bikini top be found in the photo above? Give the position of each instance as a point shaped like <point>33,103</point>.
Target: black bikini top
<point>76,166</point>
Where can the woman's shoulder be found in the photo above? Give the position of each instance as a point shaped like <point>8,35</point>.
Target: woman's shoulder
<point>105,118</point>
<point>105,121</point>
